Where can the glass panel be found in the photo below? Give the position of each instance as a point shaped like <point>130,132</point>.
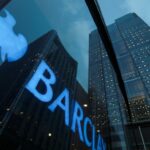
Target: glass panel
<point>128,27</point>
<point>44,102</point>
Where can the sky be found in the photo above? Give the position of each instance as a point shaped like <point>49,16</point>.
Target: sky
<point>72,21</point>
<point>113,9</point>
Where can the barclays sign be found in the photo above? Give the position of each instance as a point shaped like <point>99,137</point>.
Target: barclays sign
<point>12,48</point>
<point>62,101</point>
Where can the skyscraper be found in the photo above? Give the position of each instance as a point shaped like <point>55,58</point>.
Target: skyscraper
<point>25,122</point>
<point>130,36</point>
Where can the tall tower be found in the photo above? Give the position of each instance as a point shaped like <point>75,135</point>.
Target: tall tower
<point>131,40</point>
<point>105,98</point>
<point>25,122</point>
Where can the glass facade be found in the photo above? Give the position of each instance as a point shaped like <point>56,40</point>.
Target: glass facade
<point>27,123</point>
<point>22,117</point>
<point>130,36</point>
<point>68,81</point>
<point>109,118</point>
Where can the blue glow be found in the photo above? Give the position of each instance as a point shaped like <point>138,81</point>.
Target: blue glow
<point>58,102</point>
<point>78,115</point>
<point>39,75</point>
<point>86,122</point>
<point>77,118</point>
<point>12,46</point>
<point>93,138</point>
<point>99,143</point>
<point>103,145</point>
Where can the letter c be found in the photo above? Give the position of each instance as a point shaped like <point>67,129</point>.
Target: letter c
<point>86,122</point>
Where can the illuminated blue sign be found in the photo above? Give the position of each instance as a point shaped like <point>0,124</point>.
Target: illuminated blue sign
<point>86,122</point>
<point>12,46</point>
<point>62,101</point>
<point>39,75</point>
<point>58,103</point>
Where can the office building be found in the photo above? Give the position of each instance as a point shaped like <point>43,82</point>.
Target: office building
<point>130,37</point>
<point>25,122</point>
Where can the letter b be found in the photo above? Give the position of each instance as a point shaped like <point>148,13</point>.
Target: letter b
<point>39,75</point>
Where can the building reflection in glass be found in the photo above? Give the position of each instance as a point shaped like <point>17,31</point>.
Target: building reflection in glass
<point>131,40</point>
<point>27,123</point>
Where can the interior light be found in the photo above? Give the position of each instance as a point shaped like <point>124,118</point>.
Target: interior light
<point>85,105</point>
<point>98,131</point>
<point>49,134</point>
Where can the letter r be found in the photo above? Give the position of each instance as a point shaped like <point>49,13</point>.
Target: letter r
<point>39,75</point>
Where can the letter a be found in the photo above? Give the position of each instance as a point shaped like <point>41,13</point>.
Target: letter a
<point>58,102</point>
